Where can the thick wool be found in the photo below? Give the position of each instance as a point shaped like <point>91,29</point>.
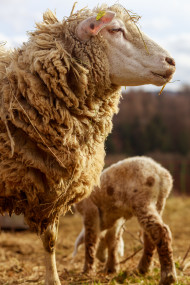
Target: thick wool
<point>56,108</point>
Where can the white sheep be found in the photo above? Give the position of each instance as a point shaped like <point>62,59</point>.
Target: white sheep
<point>138,187</point>
<point>59,92</point>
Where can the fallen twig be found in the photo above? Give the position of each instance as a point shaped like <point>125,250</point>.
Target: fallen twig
<point>185,256</point>
<point>133,236</point>
<point>130,256</point>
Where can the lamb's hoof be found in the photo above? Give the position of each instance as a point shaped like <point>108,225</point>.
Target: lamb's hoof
<point>111,269</point>
<point>102,257</point>
<point>53,282</point>
<point>142,270</point>
<point>144,266</point>
<point>168,278</point>
<point>101,254</point>
<point>89,271</point>
<point>135,271</point>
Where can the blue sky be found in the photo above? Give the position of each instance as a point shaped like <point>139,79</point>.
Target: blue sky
<point>166,21</point>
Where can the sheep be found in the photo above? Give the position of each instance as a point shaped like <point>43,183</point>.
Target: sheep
<point>136,186</point>
<point>59,92</point>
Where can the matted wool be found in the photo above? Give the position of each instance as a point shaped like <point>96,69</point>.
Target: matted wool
<point>56,109</point>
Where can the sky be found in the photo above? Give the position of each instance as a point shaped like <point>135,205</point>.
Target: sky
<point>165,21</point>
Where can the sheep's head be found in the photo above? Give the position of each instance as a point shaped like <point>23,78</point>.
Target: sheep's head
<point>134,59</point>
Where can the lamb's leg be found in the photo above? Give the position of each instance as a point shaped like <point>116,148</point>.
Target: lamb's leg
<point>160,235</point>
<point>149,246</point>
<point>79,241</point>
<point>165,252</point>
<point>101,252</point>
<point>49,239</point>
<point>91,223</point>
<point>148,251</point>
<point>113,239</point>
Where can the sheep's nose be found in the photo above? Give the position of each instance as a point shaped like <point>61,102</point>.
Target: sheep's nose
<point>170,61</point>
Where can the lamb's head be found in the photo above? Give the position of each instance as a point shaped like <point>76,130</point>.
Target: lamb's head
<point>134,59</point>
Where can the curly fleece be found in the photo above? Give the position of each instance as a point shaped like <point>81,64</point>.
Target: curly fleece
<point>56,108</point>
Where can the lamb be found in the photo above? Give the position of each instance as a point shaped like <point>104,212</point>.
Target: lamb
<point>59,92</point>
<point>136,186</point>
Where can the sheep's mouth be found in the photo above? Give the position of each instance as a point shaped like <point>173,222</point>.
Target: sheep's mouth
<point>162,76</point>
<point>167,76</point>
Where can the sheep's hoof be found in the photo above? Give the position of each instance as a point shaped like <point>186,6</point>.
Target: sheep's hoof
<point>168,278</point>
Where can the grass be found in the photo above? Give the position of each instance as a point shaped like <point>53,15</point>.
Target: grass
<point>21,253</point>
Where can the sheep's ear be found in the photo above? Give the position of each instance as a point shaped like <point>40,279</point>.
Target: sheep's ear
<point>91,26</point>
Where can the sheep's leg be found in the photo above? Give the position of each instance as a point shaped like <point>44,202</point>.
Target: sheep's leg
<point>49,239</point>
<point>114,242</point>
<point>148,251</point>
<point>160,235</point>
<point>91,223</point>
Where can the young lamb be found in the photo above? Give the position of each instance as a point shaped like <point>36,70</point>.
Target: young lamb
<point>132,187</point>
<point>59,92</point>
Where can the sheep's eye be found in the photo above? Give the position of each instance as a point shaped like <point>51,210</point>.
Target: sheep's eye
<point>116,30</point>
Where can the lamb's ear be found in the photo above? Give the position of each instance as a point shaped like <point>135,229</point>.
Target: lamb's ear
<point>91,26</point>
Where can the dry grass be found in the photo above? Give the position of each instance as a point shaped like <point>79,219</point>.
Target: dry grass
<point>21,253</point>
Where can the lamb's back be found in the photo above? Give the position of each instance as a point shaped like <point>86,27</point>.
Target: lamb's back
<point>132,178</point>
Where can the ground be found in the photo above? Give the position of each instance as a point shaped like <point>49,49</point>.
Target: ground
<point>21,253</point>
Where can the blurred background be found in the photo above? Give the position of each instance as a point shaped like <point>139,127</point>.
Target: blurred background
<point>147,124</point>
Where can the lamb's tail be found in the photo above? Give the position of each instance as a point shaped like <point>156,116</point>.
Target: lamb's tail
<point>166,185</point>
<point>79,241</point>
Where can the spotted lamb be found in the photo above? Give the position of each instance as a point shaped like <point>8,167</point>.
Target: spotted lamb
<point>132,187</point>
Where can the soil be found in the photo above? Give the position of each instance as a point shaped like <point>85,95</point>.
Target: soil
<point>21,253</point>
